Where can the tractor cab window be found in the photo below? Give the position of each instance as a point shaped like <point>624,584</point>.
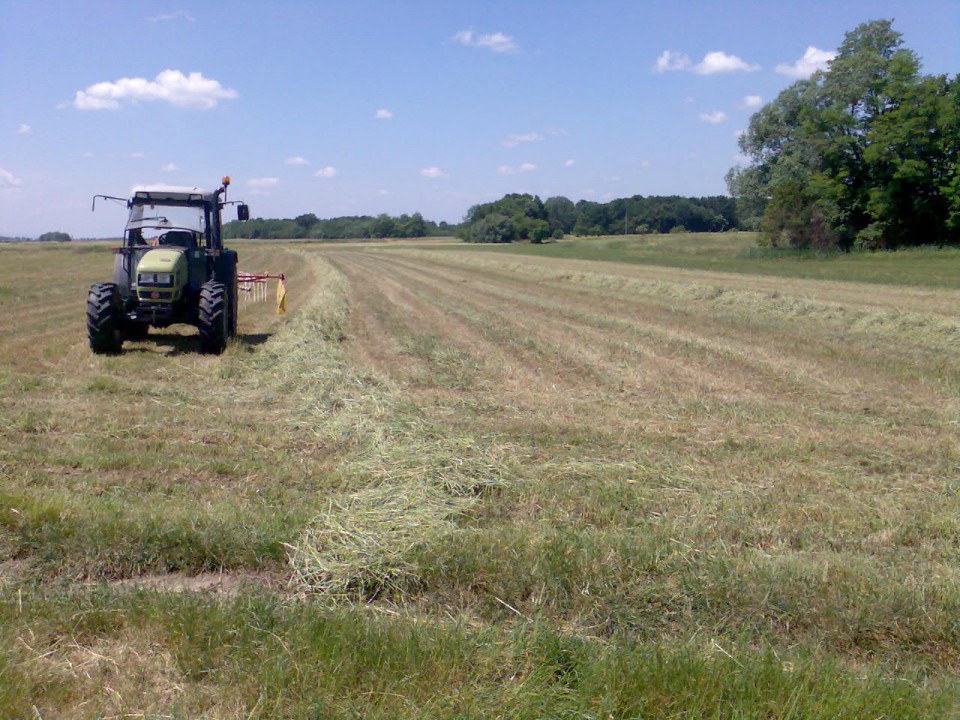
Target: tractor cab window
<point>166,225</point>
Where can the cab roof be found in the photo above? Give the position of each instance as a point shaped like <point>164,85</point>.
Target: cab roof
<point>171,193</point>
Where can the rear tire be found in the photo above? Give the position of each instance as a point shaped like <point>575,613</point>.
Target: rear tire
<point>214,317</point>
<point>103,319</point>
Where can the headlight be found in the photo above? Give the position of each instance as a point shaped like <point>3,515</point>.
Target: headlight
<point>155,279</point>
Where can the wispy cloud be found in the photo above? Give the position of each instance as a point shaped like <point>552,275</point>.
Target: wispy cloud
<point>178,15</point>
<point>752,102</point>
<point>670,60</point>
<point>516,169</point>
<point>170,167</point>
<point>569,163</point>
<point>713,63</point>
<point>715,118</point>
<point>433,172</point>
<point>513,140</point>
<point>326,172</point>
<point>297,160</point>
<point>498,42</point>
<point>813,59</point>
<point>23,129</point>
<point>172,86</point>
<point>8,179</point>
<point>383,114</point>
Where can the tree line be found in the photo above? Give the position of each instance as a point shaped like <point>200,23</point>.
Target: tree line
<point>514,217</point>
<point>527,217</point>
<point>339,228</point>
<point>46,237</point>
<point>864,154</point>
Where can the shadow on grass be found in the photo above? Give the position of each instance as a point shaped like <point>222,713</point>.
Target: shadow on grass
<point>254,339</point>
<point>172,344</point>
<point>169,344</point>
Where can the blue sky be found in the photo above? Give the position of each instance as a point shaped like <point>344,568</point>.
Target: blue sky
<point>362,107</point>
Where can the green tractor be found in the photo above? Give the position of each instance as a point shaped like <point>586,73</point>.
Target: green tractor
<point>172,268</point>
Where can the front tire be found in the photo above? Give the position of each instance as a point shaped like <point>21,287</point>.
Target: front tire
<point>103,319</point>
<point>214,317</point>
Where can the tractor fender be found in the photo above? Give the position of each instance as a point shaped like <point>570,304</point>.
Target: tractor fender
<point>122,274</point>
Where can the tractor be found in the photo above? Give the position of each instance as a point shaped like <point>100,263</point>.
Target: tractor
<point>171,268</point>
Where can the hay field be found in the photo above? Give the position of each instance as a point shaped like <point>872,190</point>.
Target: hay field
<point>473,484</point>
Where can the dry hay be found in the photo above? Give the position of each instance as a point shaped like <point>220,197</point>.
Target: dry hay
<point>363,543</point>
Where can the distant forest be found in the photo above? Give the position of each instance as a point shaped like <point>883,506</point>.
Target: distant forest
<point>339,228</point>
<point>514,217</point>
<point>526,217</point>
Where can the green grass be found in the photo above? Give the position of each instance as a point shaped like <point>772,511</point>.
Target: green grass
<point>739,253</point>
<point>256,657</point>
<point>451,487</point>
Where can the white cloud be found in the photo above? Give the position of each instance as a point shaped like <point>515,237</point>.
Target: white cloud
<point>498,42</point>
<point>179,14</point>
<point>297,160</point>
<point>516,169</point>
<point>720,62</point>
<point>670,60</point>
<point>138,155</point>
<point>433,172</point>
<point>752,101</point>
<point>264,182</point>
<point>813,59</point>
<point>383,114</point>
<point>715,118</point>
<point>8,180</point>
<point>23,129</point>
<point>569,163</point>
<point>326,172</point>
<point>712,63</point>
<point>383,192</point>
<point>170,167</point>
<point>172,86</point>
<point>514,140</point>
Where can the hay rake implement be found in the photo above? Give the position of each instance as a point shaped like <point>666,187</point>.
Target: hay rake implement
<point>253,288</point>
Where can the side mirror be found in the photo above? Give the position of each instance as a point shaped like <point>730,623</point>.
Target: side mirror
<point>243,212</point>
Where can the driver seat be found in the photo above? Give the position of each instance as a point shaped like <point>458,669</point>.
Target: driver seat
<point>179,238</point>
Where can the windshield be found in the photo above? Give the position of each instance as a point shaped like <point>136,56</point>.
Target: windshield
<point>156,219</point>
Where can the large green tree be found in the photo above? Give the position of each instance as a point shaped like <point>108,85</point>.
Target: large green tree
<point>864,152</point>
<point>514,217</point>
